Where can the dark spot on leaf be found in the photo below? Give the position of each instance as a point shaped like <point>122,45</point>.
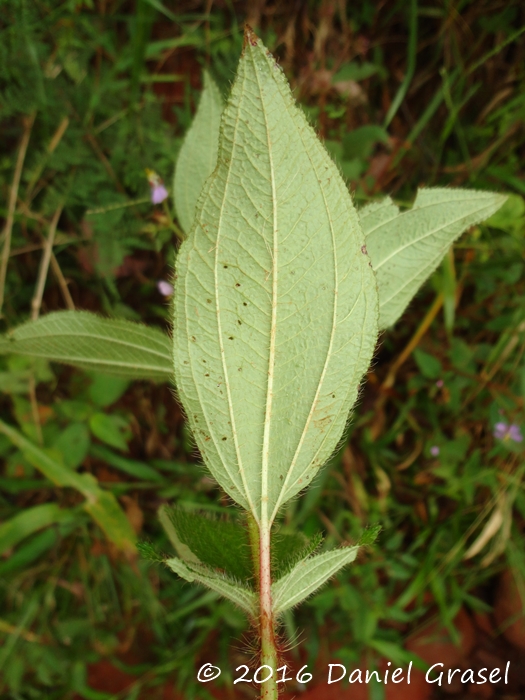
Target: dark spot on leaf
<point>193,338</point>
<point>207,374</point>
<point>239,322</point>
<point>244,303</point>
<point>364,250</point>
<point>237,284</point>
<point>225,267</point>
<point>231,337</point>
<point>224,438</point>
<point>209,301</point>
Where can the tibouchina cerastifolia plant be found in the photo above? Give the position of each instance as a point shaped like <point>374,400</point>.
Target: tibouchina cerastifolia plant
<point>281,288</point>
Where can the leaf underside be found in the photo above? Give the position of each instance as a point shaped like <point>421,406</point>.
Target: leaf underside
<point>224,545</point>
<point>227,587</point>
<point>198,154</point>
<point>79,338</point>
<point>275,301</point>
<point>307,576</point>
<point>405,248</point>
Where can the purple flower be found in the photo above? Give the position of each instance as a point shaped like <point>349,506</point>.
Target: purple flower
<point>439,383</point>
<point>504,431</point>
<point>434,450</point>
<point>165,288</point>
<point>158,193</point>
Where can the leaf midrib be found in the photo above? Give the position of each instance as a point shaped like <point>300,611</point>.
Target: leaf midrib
<point>273,324</point>
<point>92,336</point>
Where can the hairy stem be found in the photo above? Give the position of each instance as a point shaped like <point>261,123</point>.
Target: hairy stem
<point>261,553</point>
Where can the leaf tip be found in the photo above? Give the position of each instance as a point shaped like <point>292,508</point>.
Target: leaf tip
<point>250,37</point>
<point>369,536</point>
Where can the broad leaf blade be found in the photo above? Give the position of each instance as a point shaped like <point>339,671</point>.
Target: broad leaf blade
<point>308,575</point>
<point>275,300</point>
<point>198,154</point>
<point>228,588</point>
<point>405,248</point>
<point>101,505</point>
<point>79,338</point>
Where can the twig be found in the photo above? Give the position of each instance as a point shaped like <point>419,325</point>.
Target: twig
<point>28,125</point>
<point>44,264</point>
<point>62,283</point>
<point>34,409</point>
<point>55,140</point>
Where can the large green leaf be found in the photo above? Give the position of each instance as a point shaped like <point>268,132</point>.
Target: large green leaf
<point>405,248</point>
<point>198,154</point>
<point>101,505</point>
<point>275,299</point>
<point>85,340</point>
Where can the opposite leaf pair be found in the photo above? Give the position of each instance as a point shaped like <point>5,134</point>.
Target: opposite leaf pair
<point>218,555</point>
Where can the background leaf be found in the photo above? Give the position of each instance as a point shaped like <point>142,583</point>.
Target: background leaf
<point>198,153</point>
<point>276,251</point>
<point>82,339</point>
<point>101,505</point>
<point>29,521</point>
<point>405,248</point>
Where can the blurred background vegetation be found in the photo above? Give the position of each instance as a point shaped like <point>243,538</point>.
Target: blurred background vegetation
<point>405,94</point>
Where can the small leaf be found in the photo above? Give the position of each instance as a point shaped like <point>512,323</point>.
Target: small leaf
<point>111,429</point>
<point>405,248</point>
<point>308,575</point>
<point>88,341</point>
<point>148,551</point>
<point>104,390</point>
<point>429,366</point>
<point>198,153</point>
<point>275,304</point>
<point>369,536</point>
<point>73,442</point>
<point>228,588</point>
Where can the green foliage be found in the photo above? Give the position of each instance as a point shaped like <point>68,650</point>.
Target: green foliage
<point>101,505</point>
<point>227,587</point>
<point>244,311</point>
<point>309,575</point>
<point>405,248</point>
<point>198,154</point>
<point>82,339</point>
<point>29,521</point>
<point>94,69</point>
